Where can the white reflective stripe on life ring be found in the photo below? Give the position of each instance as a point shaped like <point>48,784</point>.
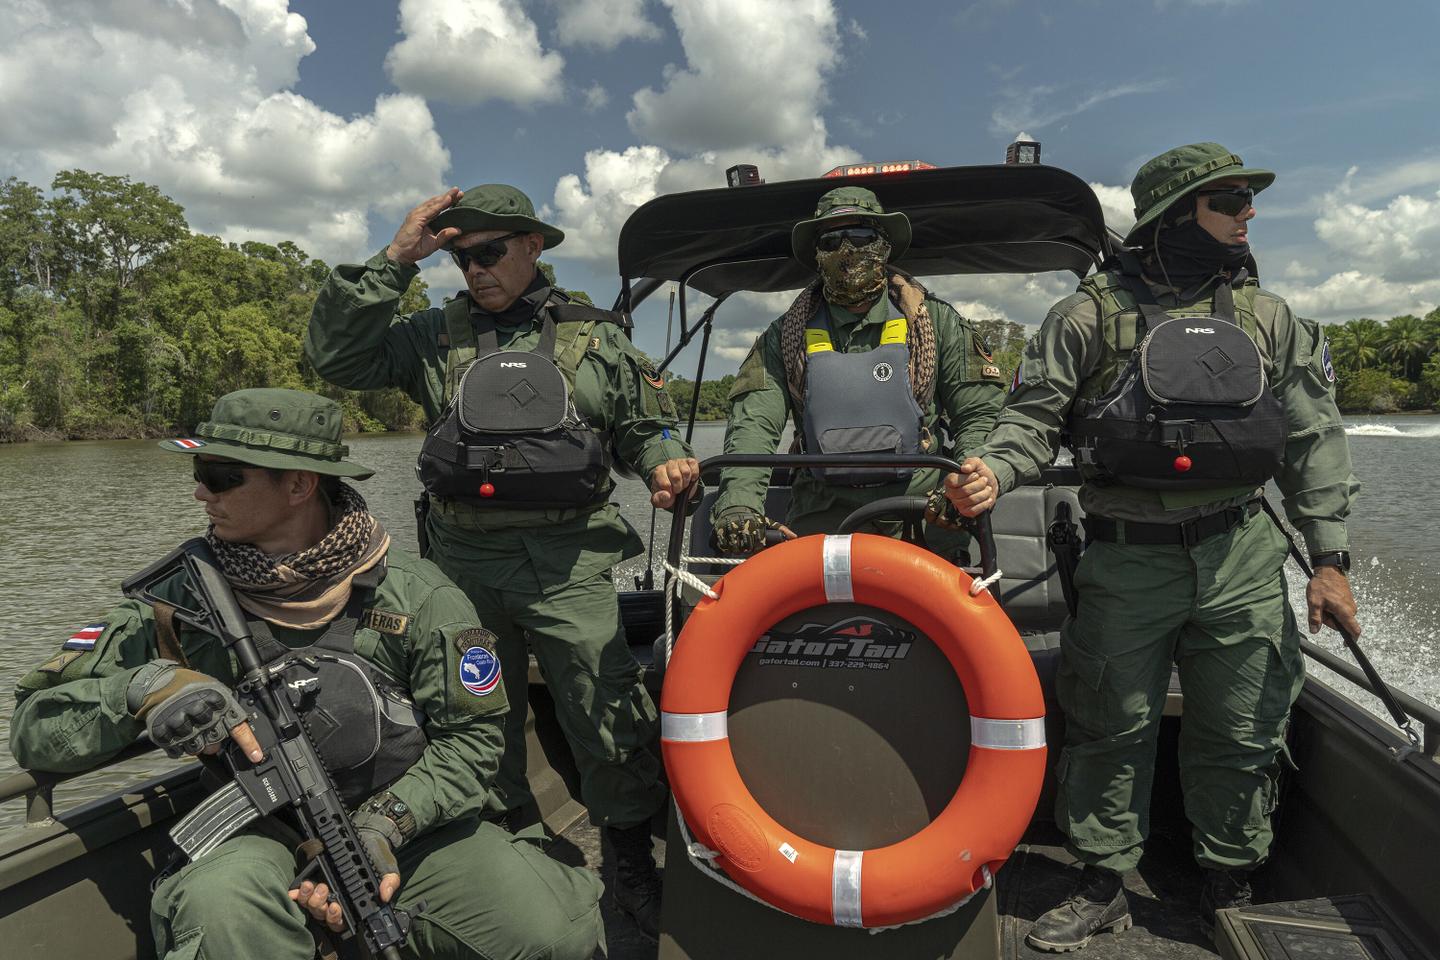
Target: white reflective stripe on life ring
<point>1007,734</point>
<point>836,564</point>
<point>694,727</point>
<point>845,888</point>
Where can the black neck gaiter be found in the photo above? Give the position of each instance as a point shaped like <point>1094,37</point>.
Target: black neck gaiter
<point>1185,255</point>
<point>525,306</point>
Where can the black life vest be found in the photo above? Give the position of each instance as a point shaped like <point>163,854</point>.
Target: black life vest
<point>859,402</point>
<point>364,724</point>
<point>1190,410</point>
<point>511,435</point>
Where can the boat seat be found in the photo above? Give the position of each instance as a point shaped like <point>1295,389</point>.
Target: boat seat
<point>1030,585</point>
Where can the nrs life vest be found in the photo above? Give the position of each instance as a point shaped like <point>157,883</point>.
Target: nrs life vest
<point>1190,409</point>
<point>362,721</point>
<point>511,436</point>
<point>859,402</point>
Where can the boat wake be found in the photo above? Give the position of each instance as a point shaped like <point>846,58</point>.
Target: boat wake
<point>1390,430</point>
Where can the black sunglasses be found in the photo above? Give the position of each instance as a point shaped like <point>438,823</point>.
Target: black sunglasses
<point>485,254</point>
<point>1229,202</point>
<point>218,475</point>
<point>831,240</point>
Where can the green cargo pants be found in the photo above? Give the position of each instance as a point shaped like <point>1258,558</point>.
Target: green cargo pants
<point>1219,609</point>
<point>600,701</point>
<point>487,894</point>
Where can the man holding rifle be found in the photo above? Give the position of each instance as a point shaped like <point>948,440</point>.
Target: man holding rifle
<point>397,685</point>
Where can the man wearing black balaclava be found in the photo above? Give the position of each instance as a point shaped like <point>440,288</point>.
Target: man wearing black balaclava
<point>1175,441</point>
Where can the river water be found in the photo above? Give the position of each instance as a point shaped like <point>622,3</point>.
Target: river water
<point>76,518</point>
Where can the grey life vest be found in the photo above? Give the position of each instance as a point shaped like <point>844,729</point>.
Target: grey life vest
<point>511,435</point>
<point>1191,409</point>
<point>859,402</point>
<point>364,724</point>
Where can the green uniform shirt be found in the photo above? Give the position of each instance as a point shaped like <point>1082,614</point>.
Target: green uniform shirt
<point>356,340</point>
<point>71,713</point>
<point>1315,480</point>
<point>968,393</point>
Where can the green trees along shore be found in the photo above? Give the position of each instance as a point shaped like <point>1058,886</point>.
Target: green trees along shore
<point>116,320</point>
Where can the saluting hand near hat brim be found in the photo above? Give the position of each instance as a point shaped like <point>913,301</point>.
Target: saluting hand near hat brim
<point>415,241</point>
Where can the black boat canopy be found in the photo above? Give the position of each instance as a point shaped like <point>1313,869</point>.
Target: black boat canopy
<point>983,219</point>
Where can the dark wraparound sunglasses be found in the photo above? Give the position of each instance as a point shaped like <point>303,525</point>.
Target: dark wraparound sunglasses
<point>219,475</point>
<point>831,240</point>
<point>485,254</point>
<point>1229,202</point>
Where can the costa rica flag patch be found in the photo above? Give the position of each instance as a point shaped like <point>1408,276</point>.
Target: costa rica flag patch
<point>479,671</point>
<point>85,637</point>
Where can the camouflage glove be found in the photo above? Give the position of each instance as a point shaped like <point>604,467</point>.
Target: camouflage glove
<point>940,512</point>
<point>741,530</point>
<point>184,711</point>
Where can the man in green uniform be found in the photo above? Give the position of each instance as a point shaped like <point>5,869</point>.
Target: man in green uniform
<point>1178,572</point>
<point>317,575</point>
<point>865,360</point>
<point>541,572</point>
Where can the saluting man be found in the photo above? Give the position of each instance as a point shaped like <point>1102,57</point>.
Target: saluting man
<point>412,746</point>
<point>866,360</point>
<point>542,570</point>
<point>1183,567</point>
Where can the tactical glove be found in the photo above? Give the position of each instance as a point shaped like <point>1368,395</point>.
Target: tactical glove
<point>379,836</point>
<point>940,512</point>
<point>184,711</point>
<point>741,530</point>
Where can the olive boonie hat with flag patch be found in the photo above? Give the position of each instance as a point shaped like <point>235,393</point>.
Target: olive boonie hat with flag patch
<point>280,429</point>
<point>496,206</point>
<point>849,203</point>
<point>1179,172</point>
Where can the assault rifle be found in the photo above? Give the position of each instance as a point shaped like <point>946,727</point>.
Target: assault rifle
<point>291,775</point>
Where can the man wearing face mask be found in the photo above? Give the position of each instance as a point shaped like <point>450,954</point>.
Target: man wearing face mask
<point>1175,441</point>
<point>521,521</point>
<point>864,361</point>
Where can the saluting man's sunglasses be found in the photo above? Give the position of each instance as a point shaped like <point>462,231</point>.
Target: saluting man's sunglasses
<point>485,254</point>
<point>1229,202</point>
<point>830,241</point>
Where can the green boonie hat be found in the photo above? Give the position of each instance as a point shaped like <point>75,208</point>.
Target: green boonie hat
<point>496,206</point>
<point>268,427</point>
<point>1176,173</point>
<point>849,202</point>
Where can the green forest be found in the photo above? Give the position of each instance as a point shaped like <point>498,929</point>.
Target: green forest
<point>117,320</point>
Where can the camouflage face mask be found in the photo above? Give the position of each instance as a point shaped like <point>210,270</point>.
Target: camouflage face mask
<point>853,275</point>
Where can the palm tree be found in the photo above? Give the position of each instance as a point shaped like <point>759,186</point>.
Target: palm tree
<point>1366,336</point>
<point>1404,341</point>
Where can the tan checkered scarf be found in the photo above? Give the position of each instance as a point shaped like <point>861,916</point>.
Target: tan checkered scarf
<point>310,588</point>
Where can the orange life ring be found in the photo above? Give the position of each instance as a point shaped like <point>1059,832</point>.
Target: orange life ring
<point>948,860</point>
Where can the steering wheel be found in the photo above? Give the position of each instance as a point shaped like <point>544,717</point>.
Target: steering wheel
<point>909,510</point>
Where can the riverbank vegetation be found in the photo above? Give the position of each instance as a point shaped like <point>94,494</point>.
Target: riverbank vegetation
<point>116,320</point>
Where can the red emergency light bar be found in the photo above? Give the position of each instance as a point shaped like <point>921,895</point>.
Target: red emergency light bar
<point>894,166</point>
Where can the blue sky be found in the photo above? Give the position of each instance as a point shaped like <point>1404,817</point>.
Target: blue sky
<point>323,121</point>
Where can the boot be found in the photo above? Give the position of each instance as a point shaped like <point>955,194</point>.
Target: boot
<point>1223,889</point>
<point>1097,904</point>
<point>636,887</point>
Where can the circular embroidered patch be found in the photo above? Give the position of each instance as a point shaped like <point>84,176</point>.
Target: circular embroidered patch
<point>1325,362</point>
<point>479,671</point>
<point>883,372</point>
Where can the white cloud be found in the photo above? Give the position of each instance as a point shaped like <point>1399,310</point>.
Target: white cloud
<point>590,209</point>
<point>1021,298</point>
<point>596,97</point>
<point>1117,205</point>
<point>603,24</point>
<point>469,51</point>
<point>1038,107</point>
<point>1353,293</point>
<point>1401,240</point>
<point>754,74</point>
<point>194,98</point>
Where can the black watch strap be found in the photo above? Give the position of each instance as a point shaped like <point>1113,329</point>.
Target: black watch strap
<point>397,811</point>
<point>1335,558</point>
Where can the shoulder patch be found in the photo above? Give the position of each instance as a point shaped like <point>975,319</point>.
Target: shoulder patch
<point>475,637</point>
<point>479,670</point>
<point>982,348</point>
<point>84,638</point>
<point>652,376</point>
<point>991,371</point>
<point>60,661</point>
<point>1325,363</point>
<point>385,621</point>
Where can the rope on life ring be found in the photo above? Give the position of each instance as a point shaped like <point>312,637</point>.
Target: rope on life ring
<point>958,852</point>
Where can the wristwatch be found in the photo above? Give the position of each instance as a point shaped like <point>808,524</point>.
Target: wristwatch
<point>1335,558</point>
<point>395,810</point>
